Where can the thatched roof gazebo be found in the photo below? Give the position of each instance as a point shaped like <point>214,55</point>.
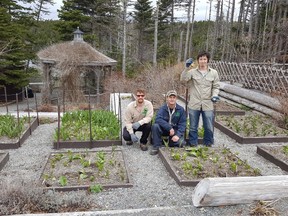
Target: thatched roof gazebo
<point>74,63</point>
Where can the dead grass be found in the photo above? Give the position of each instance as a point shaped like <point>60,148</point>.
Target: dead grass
<point>284,104</point>
<point>47,108</point>
<point>20,197</point>
<point>264,208</point>
<point>156,81</point>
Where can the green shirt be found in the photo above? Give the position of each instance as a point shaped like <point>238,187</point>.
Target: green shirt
<point>201,88</point>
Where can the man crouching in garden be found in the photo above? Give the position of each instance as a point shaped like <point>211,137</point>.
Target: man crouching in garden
<point>170,121</point>
<point>138,116</point>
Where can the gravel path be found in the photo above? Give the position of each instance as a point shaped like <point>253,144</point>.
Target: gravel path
<point>152,185</point>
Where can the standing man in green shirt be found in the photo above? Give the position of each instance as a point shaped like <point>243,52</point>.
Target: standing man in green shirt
<point>203,84</point>
<point>137,117</point>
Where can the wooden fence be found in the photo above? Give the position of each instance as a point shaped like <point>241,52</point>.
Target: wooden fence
<point>264,78</point>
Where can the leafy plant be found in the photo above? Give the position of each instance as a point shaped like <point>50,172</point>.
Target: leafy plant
<point>187,166</point>
<point>285,150</point>
<point>176,156</point>
<point>201,132</point>
<point>233,167</point>
<point>76,125</point>
<point>100,160</point>
<point>10,127</point>
<point>63,181</point>
<point>95,188</point>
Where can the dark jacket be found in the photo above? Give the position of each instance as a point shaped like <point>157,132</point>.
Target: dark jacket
<point>178,122</point>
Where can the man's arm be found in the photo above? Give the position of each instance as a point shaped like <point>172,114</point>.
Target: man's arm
<point>128,120</point>
<point>216,85</point>
<point>185,75</point>
<point>161,120</point>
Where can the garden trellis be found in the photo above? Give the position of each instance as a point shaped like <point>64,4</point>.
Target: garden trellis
<point>264,78</point>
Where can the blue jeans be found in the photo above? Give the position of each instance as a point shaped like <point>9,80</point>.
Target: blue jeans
<point>158,132</point>
<point>207,117</point>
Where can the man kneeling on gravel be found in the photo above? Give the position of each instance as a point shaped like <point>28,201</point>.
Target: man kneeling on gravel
<point>170,121</point>
<point>137,117</point>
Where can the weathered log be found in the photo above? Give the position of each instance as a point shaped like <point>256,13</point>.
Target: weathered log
<point>259,98</point>
<point>252,104</point>
<point>239,190</point>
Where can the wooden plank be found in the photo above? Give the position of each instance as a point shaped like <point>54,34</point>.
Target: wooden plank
<point>239,190</point>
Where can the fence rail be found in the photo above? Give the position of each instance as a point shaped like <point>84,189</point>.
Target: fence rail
<point>264,78</point>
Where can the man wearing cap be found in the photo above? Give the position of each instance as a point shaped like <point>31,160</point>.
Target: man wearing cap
<point>137,117</point>
<point>204,85</point>
<point>170,121</point>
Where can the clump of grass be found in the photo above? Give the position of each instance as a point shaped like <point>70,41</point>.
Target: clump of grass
<point>47,108</point>
<point>19,197</point>
<point>264,208</point>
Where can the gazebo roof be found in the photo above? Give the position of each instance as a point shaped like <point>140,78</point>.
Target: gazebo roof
<point>78,50</point>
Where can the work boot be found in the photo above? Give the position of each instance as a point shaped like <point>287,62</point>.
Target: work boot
<point>129,143</point>
<point>154,151</point>
<point>143,147</point>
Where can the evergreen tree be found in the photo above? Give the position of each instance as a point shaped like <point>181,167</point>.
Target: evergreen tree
<point>143,24</point>
<point>165,32</point>
<point>96,18</point>
<point>15,44</point>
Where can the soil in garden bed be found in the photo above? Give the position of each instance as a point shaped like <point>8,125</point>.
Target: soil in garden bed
<point>202,162</point>
<point>279,152</point>
<point>252,125</point>
<point>225,106</point>
<point>65,169</point>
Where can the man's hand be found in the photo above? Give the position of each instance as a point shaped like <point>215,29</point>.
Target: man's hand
<point>136,125</point>
<point>188,62</point>
<point>134,138</point>
<point>214,99</point>
<point>171,132</point>
<point>175,138</point>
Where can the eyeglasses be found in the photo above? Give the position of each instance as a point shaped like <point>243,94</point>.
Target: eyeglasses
<point>140,95</point>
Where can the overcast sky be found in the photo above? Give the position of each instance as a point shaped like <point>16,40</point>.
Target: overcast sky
<point>201,13</point>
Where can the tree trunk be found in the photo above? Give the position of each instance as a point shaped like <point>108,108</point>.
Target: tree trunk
<point>271,38</point>
<point>239,190</point>
<point>125,3</point>
<point>188,30</point>
<point>252,96</point>
<point>192,29</point>
<point>180,47</point>
<point>156,37</point>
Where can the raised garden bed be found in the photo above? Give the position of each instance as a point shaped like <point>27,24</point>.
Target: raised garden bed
<point>84,129</point>
<point>251,129</point>
<point>224,108</point>
<point>86,144</point>
<point>189,166</point>
<point>4,157</point>
<point>13,143</point>
<point>103,169</point>
<point>275,154</point>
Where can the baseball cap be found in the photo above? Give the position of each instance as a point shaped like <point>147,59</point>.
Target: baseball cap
<point>171,92</point>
